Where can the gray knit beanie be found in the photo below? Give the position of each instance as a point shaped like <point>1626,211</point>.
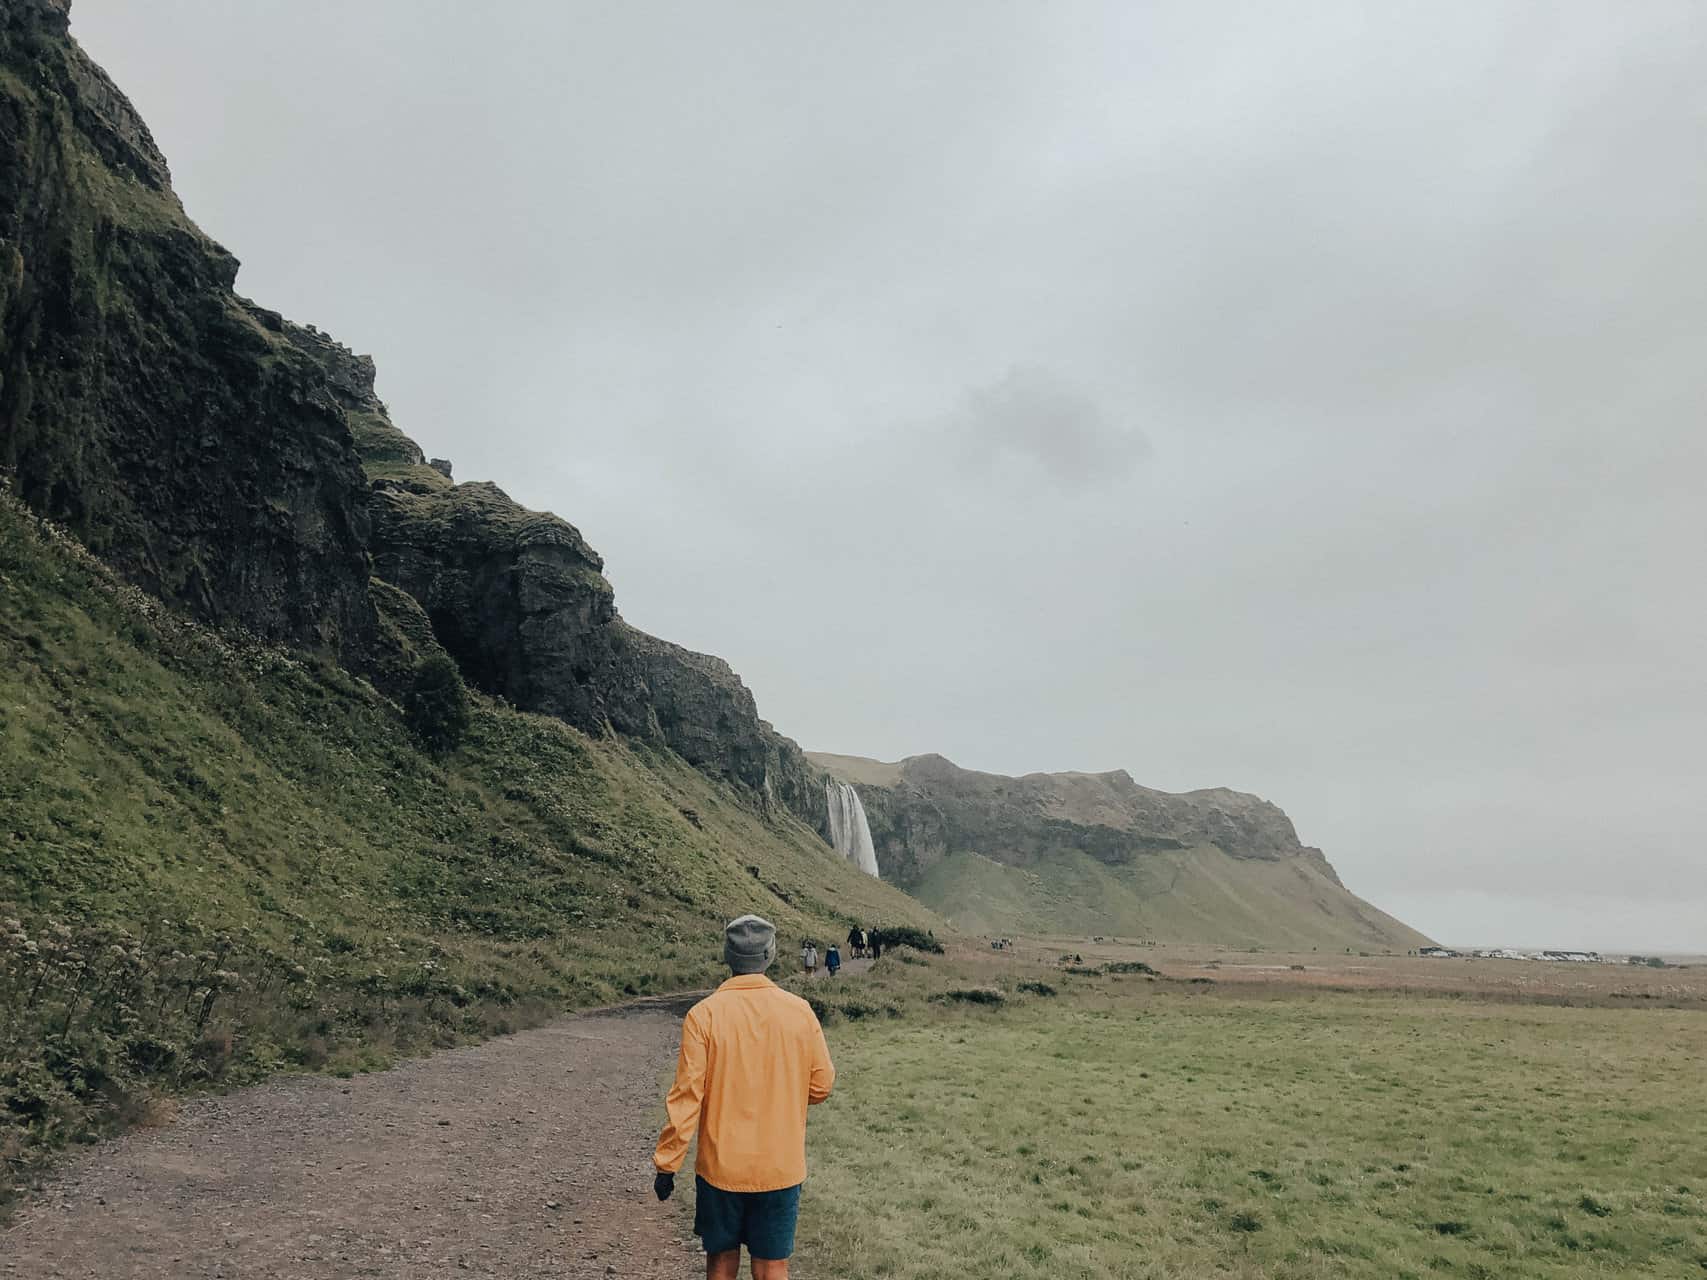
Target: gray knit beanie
<point>749,945</point>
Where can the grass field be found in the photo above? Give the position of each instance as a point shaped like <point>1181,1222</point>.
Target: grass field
<point>1129,1127</point>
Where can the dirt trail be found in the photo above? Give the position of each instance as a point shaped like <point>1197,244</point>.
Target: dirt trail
<point>524,1156</point>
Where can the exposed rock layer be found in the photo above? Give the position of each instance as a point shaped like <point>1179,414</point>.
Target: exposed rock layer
<point>142,402</point>
<point>520,600</point>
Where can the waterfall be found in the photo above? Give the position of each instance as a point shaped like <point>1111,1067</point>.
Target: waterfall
<point>849,831</point>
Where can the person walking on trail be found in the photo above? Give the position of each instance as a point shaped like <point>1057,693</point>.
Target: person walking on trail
<point>832,960</point>
<point>809,957</point>
<point>874,945</point>
<point>854,942</point>
<point>864,943</point>
<point>753,1058</point>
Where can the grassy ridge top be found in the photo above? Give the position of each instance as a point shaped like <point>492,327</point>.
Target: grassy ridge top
<point>874,773</point>
<point>170,790</point>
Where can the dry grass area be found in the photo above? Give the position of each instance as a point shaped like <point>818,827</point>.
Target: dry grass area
<point>1249,1120</point>
<point>1682,985</point>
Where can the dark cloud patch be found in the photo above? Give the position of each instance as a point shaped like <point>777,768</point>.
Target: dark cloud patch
<point>1033,419</point>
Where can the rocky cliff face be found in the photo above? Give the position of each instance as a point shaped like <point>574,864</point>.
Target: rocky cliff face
<point>143,404</point>
<point>521,602</point>
<point>244,467</point>
<point>932,808</point>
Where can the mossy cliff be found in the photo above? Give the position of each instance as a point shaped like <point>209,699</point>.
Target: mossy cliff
<point>242,467</point>
<point>143,404</point>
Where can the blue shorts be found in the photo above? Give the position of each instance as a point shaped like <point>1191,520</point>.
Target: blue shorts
<point>761,1220</point>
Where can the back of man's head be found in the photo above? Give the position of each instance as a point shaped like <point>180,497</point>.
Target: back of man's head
<point>749,944</point>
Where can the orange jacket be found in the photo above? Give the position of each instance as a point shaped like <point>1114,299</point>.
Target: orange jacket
<point>753,1059</point>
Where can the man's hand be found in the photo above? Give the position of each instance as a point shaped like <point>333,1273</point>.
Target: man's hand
<point>663,1185</point>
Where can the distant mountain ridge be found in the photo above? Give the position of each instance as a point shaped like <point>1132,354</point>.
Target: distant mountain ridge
<point>1084,852</point>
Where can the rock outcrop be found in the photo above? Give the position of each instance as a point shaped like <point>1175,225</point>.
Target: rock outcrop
<point>143,404</point>
<point>520,600</point>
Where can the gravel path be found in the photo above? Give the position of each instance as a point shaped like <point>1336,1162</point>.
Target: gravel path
<point>524,1156</point>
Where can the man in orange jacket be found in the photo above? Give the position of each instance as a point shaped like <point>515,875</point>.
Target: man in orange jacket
<point>753,1059</point>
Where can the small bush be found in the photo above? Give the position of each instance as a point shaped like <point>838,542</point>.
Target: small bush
<point>972,995</point>
<point>1130,966</point>
<point>436,705</point>
<point>824,1011</point>
<point>1037,988</point>
<point>907,936</point>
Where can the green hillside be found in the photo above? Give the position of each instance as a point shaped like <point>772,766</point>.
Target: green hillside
<point>1190,895</point>
<point>212,808</point>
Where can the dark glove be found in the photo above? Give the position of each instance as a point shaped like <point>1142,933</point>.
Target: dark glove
<point>663,1185</point>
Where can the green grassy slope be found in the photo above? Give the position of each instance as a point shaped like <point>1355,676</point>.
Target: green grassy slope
<point>181,796</point>
<point>1192,895</point>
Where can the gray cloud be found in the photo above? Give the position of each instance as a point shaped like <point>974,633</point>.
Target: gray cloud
<point>1033,418</point>
<point>1406,300</point>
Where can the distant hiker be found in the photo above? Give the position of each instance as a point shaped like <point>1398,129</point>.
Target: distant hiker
<point>753,1058</point>
<point>832,960</point>
<point>864,943</point>
<point>809,957</point>
<point>855,946</point>
<point>874,944</point>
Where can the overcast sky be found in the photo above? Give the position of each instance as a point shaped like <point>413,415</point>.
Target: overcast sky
<point>1305,398</point>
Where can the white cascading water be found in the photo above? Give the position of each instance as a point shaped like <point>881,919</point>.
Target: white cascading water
<point>849,831</point>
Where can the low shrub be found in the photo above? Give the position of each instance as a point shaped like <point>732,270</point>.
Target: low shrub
<point>436,705</point>
<point>971,995</point>
<point>907,936</point>
<point>1037,988</point>
<point>1130,966</point>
